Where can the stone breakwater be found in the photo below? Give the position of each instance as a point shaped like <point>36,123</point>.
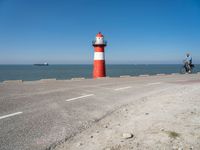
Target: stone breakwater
<point>81,78</point>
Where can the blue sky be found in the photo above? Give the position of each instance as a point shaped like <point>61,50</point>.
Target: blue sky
<point>61,31</point>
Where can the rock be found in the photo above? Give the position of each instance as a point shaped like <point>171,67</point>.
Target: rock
<point>162,129</point>
<point>191,147</point>
<point>105,126</point>
<point>146,113</point>
<point>125,109</point>
<point>79,144</point>
<point>91,136</point>
<point>127,135</point>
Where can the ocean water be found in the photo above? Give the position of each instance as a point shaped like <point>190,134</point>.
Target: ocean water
<point>30,72</point>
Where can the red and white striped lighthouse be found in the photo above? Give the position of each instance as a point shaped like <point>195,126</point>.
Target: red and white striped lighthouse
<point>99,69</point>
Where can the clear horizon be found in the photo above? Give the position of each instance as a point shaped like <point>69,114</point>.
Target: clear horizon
<point>61,32</point>
<point>107,64</point>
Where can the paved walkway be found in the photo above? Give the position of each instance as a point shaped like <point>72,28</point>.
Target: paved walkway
<point>41,114</point>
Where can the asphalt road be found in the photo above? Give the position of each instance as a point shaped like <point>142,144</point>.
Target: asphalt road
<point>42,114</point>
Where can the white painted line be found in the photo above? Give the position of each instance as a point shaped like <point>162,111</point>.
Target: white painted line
<point>10,115</point>
<point>155,83</point>
<point>72,99</point>
<point>123,88</point>
<point>181,80</point>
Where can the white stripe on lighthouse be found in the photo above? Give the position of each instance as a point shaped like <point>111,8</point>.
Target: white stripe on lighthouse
<point>99,56</point>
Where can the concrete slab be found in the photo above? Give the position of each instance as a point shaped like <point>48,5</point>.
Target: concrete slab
<point>161,74</point>
<point>12,81</point>
<point>78,78</point>
<point>125,76</point>
<point>144,75</point>
<point>47,80</point>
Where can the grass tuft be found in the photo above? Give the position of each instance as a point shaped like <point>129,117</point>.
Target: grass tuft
<point>173,134</point>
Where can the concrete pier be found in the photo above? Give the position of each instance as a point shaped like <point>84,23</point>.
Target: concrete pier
<point>43,114</point>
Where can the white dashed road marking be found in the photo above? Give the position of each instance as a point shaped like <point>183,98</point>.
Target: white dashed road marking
<point>181,80</point>
<point>72,99</point>
<point>155,83</point>
<point>122,88</point>
<point>10,115</point>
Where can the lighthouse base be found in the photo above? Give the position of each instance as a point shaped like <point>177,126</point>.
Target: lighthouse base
<point>99,69</point>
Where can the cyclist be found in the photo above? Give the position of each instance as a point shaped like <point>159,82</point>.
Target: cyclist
<point>188,63</point>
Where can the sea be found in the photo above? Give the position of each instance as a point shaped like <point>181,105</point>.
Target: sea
<point>63,72</point>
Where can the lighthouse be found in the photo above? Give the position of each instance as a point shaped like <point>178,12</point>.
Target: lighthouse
<point>99,69</point>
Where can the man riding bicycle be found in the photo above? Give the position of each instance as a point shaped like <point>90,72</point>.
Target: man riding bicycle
<point>188,63</point>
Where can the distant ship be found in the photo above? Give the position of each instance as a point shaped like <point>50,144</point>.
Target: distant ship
<point>44,64</point>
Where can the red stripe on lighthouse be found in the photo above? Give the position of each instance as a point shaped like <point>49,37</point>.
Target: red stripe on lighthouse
<point>99,69</point>
<point>99,48</point>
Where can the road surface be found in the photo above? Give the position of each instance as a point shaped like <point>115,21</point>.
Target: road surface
<point>42,114</point>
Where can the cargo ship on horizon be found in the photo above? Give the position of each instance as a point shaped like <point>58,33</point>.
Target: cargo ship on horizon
<point>44,64</point>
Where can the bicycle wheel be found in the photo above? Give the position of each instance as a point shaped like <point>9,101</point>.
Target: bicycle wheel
<point>182,70</point>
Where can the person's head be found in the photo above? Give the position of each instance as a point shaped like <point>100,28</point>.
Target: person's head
<point>188,54</point>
